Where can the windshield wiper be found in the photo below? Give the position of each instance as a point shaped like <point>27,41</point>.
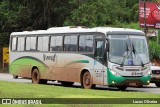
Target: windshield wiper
<point>125,55</point>
<point>135,53</point>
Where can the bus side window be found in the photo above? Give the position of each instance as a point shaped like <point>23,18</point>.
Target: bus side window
<point>56,43</point>
<point>66,43</point>
<point>39,48</point>
<point>33,44</point>
<point>59,40</point>
<point>14,43</point>
<point>86,43</point>
<point>45,43</point>
<point>73,43</point>
<point>82,43</point>
<point>89,43</point>
<point>20,45</point>
<point>99,50</point>
<point>28,44</point>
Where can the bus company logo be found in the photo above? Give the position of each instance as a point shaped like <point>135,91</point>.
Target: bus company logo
<point>6,101</point>
<point>51,58</point>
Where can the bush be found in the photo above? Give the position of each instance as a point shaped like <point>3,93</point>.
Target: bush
<point>154,50</point>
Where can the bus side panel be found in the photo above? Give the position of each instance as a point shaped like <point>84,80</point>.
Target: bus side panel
<point>99,74</point>
<point>71,66</point>
<point>21,65</point>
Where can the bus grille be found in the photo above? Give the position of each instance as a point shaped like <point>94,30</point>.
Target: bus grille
<point>133,77</point>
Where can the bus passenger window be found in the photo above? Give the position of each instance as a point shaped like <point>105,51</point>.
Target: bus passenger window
<point>33,44</point>
<point>28,44</point>
<point>45,43</point>
<point>86,43</point>
<point>89,43</point>
<point>14,42</point>
<point>39,48</point>
<point>73,43</point>
<point>20,46</point>
<point>59,40</point>
<point>82,43</point>
<point>66,43</point>
<point>56,43</point>
<point>53,43</point>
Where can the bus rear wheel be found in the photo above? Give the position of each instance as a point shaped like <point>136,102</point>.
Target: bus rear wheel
<point>35,76</point>
<point>67,84</point>
<point>122,88</point>
<point>157,84</point>
<point>86,81</point>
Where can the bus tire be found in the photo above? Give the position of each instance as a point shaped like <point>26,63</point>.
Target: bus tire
<point>67,84</point>
<point>86,81</point>
<point>139,86</point>
<point>122,88</point>
<point>35,77</point>
<point>15,76</point>
<point>157,84</point>
<point>43,81</point>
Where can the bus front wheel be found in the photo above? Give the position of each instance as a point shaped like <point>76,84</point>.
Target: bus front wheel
<point>86,81</point>
<point>157,84</point>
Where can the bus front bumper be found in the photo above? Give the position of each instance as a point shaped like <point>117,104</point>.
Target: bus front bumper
<point>114,80</point>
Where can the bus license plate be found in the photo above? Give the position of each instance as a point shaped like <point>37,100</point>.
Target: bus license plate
<point>132,84</point>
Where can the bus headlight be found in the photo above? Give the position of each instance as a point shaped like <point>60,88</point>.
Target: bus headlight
<point>147,73</point>
<point>115,73</point>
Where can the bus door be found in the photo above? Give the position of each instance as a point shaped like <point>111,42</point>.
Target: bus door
<point>98,62</point>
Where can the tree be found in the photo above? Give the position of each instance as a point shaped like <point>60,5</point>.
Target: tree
<point>99,13</point>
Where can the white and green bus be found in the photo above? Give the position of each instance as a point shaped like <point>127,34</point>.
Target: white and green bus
<point>91,56</point>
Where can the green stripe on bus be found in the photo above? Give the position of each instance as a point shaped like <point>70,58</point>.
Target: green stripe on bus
<point>81,61</point>
<point>19,64</point>
<point>78,61</point>
<point>116,79</point>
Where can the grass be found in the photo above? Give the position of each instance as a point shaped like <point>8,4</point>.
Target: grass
<point>21,90</point>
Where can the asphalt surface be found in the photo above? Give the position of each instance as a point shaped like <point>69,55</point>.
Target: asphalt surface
<point>146,88</point>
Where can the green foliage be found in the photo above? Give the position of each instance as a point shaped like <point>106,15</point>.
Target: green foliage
<point>20,15</point>
<point>154,50</point>
<point>100,13</point>
<point>8,15</point>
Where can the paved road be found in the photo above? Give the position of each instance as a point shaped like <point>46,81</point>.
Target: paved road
<point>147,88</point>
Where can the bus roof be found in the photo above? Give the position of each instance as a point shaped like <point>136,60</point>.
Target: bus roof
<point>78,29</point>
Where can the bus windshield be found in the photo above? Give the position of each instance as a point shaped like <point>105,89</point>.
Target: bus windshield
<point>128,50</point>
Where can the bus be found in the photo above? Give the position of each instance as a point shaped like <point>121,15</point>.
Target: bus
<point>90,56</point>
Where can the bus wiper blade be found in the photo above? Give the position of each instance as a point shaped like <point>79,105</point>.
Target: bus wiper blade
<point>125,55</point>
<point>135,53</point>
